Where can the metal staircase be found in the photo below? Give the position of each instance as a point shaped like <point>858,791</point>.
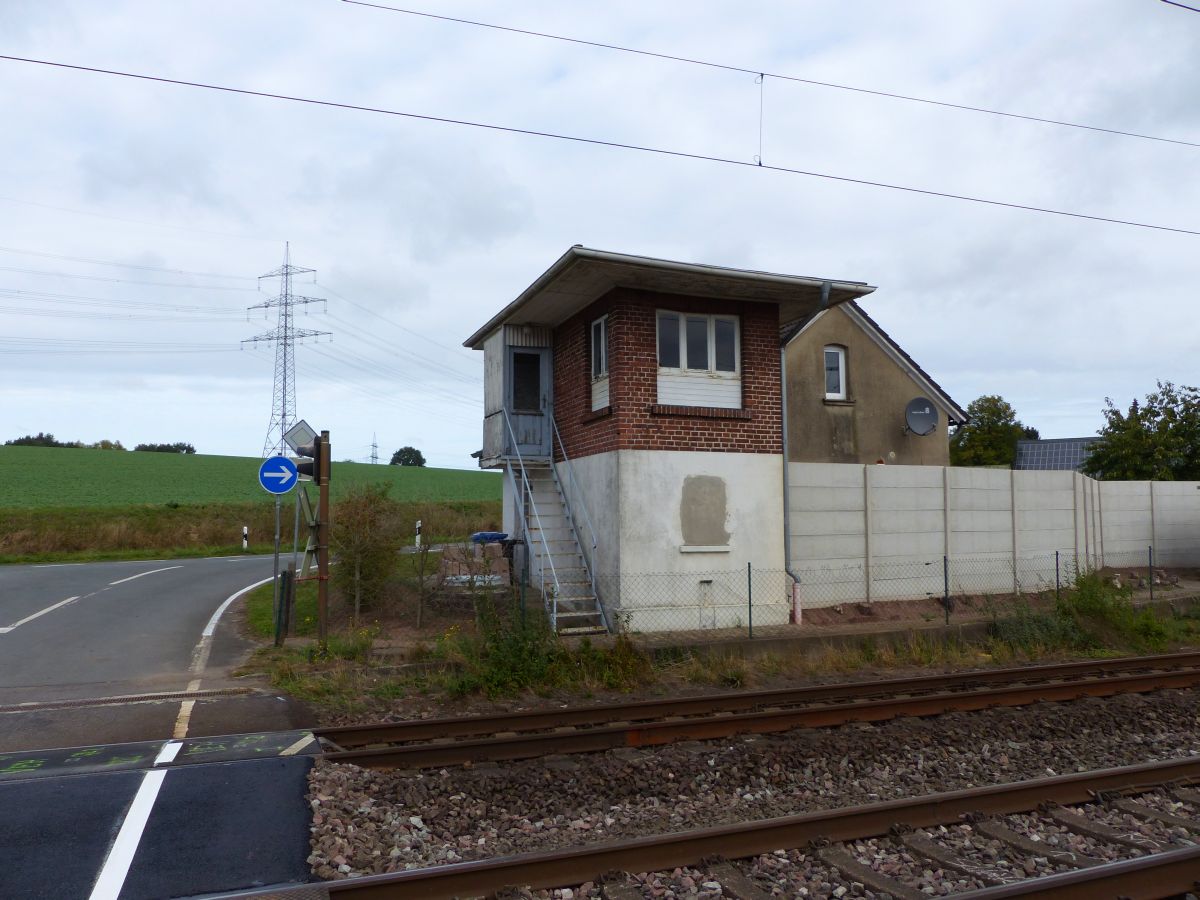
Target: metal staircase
<point>558,560</point>
<point>558,565</point>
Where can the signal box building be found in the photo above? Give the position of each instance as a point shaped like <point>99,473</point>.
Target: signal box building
<point>637,408</point>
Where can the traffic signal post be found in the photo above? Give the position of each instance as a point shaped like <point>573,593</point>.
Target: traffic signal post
<point>314,466</point>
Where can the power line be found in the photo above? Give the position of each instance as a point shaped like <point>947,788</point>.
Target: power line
<point>675,154</point>
<point>759,72</point>
<point>1182,5</point>
<point>84,300</point>
<point>393,322</point>
<point>189,287</point>
<point>84,212</point>
<point>123,265</point>
<point>367,338</point>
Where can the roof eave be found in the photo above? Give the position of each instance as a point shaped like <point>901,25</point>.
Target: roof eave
<point>851,289</point>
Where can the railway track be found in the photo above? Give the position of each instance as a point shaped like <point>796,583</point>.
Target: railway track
<point>1157,858</point>
<point>465,739</point>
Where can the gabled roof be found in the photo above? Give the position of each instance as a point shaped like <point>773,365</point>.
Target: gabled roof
<point>583,275</point>
<point>955,413</point>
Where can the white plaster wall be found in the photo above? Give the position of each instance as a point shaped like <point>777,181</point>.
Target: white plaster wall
<point>664,587</point>
<point>596,484</point>
<point>1177,523</point>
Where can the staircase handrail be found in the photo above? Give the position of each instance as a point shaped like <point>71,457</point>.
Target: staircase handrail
<point>589,559</point>
<point>541,531</point>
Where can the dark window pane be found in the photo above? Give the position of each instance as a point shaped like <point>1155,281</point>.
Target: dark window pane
<point>668,340</point>
<point>726,345</point>
<point>697,342</point>
<point>599,350</point>
<point>527,381</point>
<point>833,372</point>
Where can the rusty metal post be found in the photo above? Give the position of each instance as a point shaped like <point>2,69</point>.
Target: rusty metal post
<point>323,542</point>
<point>946,587</point>
<point>1150,571</point>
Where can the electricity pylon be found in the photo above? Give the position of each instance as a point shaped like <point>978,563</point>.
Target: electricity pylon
<point>284,336</point>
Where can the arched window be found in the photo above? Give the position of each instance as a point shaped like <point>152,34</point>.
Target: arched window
<point>835,373</point>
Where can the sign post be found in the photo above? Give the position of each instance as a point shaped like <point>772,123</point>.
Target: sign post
<point>277,475</point>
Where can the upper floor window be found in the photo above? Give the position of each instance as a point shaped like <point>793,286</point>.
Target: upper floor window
<point>600,348</point>
<point>835,373</point>
<point>698,343</point>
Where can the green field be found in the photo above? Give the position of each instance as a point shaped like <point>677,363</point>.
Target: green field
<point>49,477</point>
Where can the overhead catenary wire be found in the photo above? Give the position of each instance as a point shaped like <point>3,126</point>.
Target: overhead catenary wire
<point>618,145</point>
<point>891,95</point>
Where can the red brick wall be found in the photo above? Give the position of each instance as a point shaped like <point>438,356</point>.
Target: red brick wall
<point>635,420</point>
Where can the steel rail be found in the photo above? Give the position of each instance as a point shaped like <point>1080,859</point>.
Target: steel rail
<point>656,733</point>
<point>575,865</point>
<point>351,736</point>
<point>1143,878</point>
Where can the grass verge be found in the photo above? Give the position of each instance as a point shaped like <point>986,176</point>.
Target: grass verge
<point>508,652</point>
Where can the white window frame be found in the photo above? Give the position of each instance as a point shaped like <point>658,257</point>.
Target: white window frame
<point>713,318</point>
<point>603,323</point>
<point>841,394</point>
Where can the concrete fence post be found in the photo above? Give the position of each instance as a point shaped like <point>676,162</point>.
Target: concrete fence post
<point>867,531</point>
<point>749,601</point>
<point>1012,503</point>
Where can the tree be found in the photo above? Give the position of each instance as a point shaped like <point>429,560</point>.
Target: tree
<point>1155,440</point>
<point>34,440</point>
<point>990,435</point>
<point>367,536</point>
<point>407,456</point>
<point>177,447</point>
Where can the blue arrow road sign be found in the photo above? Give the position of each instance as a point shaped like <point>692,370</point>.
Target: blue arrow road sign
<point>277,475</point>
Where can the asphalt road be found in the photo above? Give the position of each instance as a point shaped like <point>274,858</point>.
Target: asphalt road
<point>72,637</point>
<point>132,627</point>
<point>97,656</point>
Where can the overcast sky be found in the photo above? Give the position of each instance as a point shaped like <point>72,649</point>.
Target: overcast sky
<point>111,189</point>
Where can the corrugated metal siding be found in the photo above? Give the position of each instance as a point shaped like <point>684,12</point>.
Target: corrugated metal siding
<point>700,390</point>
<point>528,336</point>
<point>493,374</point>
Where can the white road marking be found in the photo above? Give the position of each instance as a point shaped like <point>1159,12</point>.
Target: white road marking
<point>143,574</point>
<point>200,658</point>
<point>112,875</point>
<point>168,752</point>
<point>40,612</point>
<point>298,746</point>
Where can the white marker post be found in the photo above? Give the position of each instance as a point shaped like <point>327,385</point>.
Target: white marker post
<point>245,537</point>
<point>418,541</point>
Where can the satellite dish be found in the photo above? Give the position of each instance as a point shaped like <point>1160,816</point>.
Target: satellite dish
<point>920,416</point>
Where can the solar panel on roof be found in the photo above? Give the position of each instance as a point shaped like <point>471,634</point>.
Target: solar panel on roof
<point>1063,454</point>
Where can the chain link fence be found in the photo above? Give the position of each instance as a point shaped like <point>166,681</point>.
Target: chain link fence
<point>758,600</point>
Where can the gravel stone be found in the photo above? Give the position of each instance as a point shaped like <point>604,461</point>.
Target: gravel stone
<point>381,821</point>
